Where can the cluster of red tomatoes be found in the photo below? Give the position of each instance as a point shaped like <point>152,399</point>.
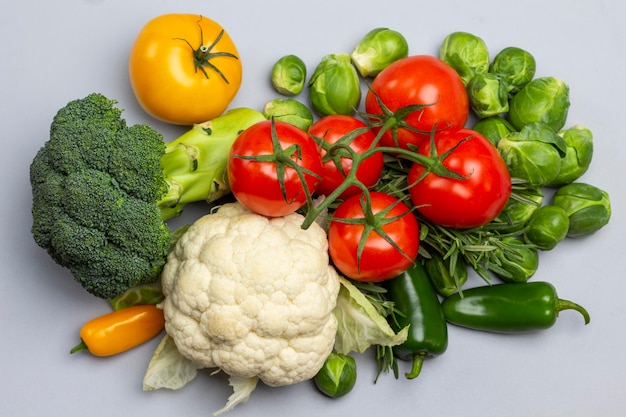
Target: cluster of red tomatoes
<point>415,115</point>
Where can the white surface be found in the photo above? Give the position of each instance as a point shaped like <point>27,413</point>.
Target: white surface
<point>56,51</point>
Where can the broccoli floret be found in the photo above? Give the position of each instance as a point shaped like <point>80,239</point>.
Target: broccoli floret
<point>103,191</point>
<point>96,184</point>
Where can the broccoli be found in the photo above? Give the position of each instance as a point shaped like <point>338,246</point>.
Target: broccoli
<point>103,191</point>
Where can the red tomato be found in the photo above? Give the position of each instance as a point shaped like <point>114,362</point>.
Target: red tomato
<point>424,80</point>
<point>379,260</point>
<point>257,183</point>
<point>333,129</point>
<point>462,203</point>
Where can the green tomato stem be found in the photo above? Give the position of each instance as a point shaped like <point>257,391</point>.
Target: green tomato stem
<point>432,163</point>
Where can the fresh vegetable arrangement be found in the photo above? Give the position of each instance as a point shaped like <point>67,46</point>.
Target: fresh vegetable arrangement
<point>345,216</point>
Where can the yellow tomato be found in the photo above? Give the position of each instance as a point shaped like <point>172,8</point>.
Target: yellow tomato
<point>184,68</point>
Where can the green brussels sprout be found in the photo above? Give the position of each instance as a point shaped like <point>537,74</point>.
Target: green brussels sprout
<point>515,66</point>
<point>587,206</point>
<point>518,211</point>
<point>578,154</point>
<point>493,128</point>
<point>533,154</point>
<point>289,75</point>
<point>487,95</point>
<point>516,264</point>
<point>547,227</point>
<point>289,110</point>
<point>466,53</point>
<point>378,49</point>
<point>337,376</point>
<point>335,87</point>
<point>445,277</point>
<point>544,99</point>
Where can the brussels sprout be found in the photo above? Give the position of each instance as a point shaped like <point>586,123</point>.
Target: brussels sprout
<point>518,263</point>
<point>547,227</point>
<point>335,87</point>
<point>493,128</point>
<point>578,154</point>
<point>543,100</point>
<point>289,75</point>
<point>515,66</point>
<point>487,95</point>
<point>466,53</point>
<point>587,206</point>
<point>518,211</point>
<point>533,154</point>
<point>337,376</point>
<point>445,277</point>
<point>378,49</point>
<point>289,110</point>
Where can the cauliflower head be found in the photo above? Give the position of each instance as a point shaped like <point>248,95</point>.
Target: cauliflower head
<point>252,295</point>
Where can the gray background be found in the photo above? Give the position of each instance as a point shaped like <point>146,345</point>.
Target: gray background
<point>56,51</point>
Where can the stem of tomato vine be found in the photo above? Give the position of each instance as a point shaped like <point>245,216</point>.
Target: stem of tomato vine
<point>432,163</point>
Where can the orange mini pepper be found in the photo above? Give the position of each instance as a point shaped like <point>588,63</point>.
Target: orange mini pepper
<point>121,330</point>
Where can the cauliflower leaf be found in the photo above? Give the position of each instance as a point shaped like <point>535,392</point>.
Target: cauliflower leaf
<point>242,389</point>
<point>168,368</point>
<point>360,324</point>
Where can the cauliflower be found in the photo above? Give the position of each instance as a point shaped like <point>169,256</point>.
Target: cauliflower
<point>251,295</point>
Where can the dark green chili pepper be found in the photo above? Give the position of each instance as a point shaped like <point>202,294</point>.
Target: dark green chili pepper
<point>417,305</point>
<point>508,308</point>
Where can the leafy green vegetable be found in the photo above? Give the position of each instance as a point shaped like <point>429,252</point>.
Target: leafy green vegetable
<point>515,67</point>
<point>517,264</point>
<point>168,368</point>
<point>519,209</point>
<point>289,75</point>
<point>466,53</point>
<point>290,111</point>
<point>547,227</point>
<point>533,154</point>
<point>149,293</point>
<point>334,87</point>
<point>360,324</point>
<point>242,389</point>
<point>587,206</point>
<point>447,275</point>
<point>493,128</point>
<point>578,154</point>
<point>337,376</point>
<point>544,100</point>
<point>378,49</point>
<point>487,95</point>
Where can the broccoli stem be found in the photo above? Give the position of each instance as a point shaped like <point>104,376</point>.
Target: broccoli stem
<point>194,164</point>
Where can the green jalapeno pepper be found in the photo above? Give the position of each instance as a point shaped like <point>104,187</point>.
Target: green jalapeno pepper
<point>417,305</point>
<point>508,308</point>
